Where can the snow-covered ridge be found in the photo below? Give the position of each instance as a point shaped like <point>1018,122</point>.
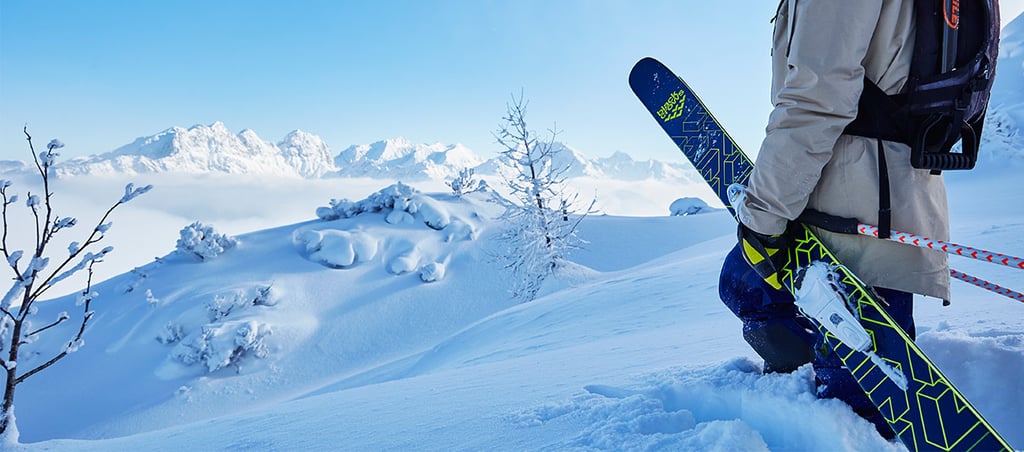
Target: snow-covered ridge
<point>204,149</point>
<point>1001,139</point>
<point>402,159</point>
<point>213,149</point>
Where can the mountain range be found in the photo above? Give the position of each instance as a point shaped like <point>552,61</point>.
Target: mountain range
<point>214,149</point>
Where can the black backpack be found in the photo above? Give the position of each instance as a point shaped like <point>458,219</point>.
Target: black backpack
<point>945,97</point>
<point>947,93</point>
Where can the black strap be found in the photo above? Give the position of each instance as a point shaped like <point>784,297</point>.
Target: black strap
<point>829,222</point>
<point>880,115</point>
<point>884,198</point>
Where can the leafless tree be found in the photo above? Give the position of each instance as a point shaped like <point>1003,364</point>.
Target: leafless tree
<point>37,275</point>
<point>541,222</point>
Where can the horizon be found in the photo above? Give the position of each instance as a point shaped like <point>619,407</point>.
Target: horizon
<point>99,75</point>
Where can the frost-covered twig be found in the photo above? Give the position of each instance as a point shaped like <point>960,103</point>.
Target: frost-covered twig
<point>77,341</point>
<point>87,260</point>
<point>97,234</point>
<point>7,200</point>
<point>60,319</point>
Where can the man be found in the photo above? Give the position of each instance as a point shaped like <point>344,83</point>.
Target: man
<point>822,52</point>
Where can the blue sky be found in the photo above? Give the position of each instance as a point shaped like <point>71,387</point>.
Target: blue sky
<point>98,74</point>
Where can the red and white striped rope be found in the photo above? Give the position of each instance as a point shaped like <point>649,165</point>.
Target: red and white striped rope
<point>987,285</point>
<point>947,247</point>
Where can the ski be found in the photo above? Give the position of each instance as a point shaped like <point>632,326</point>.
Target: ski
<point>920,404</point>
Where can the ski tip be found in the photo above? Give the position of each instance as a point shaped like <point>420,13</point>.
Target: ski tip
<point>645,61</point>
<point>640,75</point>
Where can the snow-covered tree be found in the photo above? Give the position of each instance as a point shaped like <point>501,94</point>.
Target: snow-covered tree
<point>38,271</point>
<point>541,224</point>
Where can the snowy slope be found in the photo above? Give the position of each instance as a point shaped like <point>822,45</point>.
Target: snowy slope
<point>630,349</point>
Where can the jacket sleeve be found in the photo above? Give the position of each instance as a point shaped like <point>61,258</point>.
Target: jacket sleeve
<point>818,79</point>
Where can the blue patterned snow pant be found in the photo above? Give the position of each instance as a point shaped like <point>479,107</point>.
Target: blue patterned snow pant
<point>759,306</point>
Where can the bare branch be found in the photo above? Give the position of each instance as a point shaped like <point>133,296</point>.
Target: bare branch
<point>87,294</point>
<point>4,185</point>
<point>43,167</point>
<point>60,319</point>
<point>94,237</point>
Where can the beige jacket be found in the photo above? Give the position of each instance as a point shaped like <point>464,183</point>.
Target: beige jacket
<point>822,50</point>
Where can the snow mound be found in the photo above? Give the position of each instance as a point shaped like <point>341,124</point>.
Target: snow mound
<point>416,234</point>
<point>689,206</point>
<point>337,249</point>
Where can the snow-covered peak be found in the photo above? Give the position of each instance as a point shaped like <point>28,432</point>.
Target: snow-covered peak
<point>461,156</point>
<point>307,153</point>
<point>579,164</point>
<point>203,149</point>
<point>389,149</point>
<point>402,159</point>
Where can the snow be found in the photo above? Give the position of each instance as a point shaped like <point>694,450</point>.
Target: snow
<point>688,206</point>
<point>353,349</point>
<point>385,323</point>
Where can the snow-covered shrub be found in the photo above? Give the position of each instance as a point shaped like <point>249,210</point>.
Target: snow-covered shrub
<point>221,345</point>
<point>460,230</point>
<point>337,249</point>
<point>434,214</point>
<point>139,275</point>
<point>432,272</point>
<point>223,306</point>
<point>171,333</point>
<point>400,217</point>
<point>150,298</point>
<point>203,242</point>
<point>465,183</point>
<point>688,206</point>
<point>225,339</point>
<point>386,198</point>
<point>263,298</point>
<point>403,201</point>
